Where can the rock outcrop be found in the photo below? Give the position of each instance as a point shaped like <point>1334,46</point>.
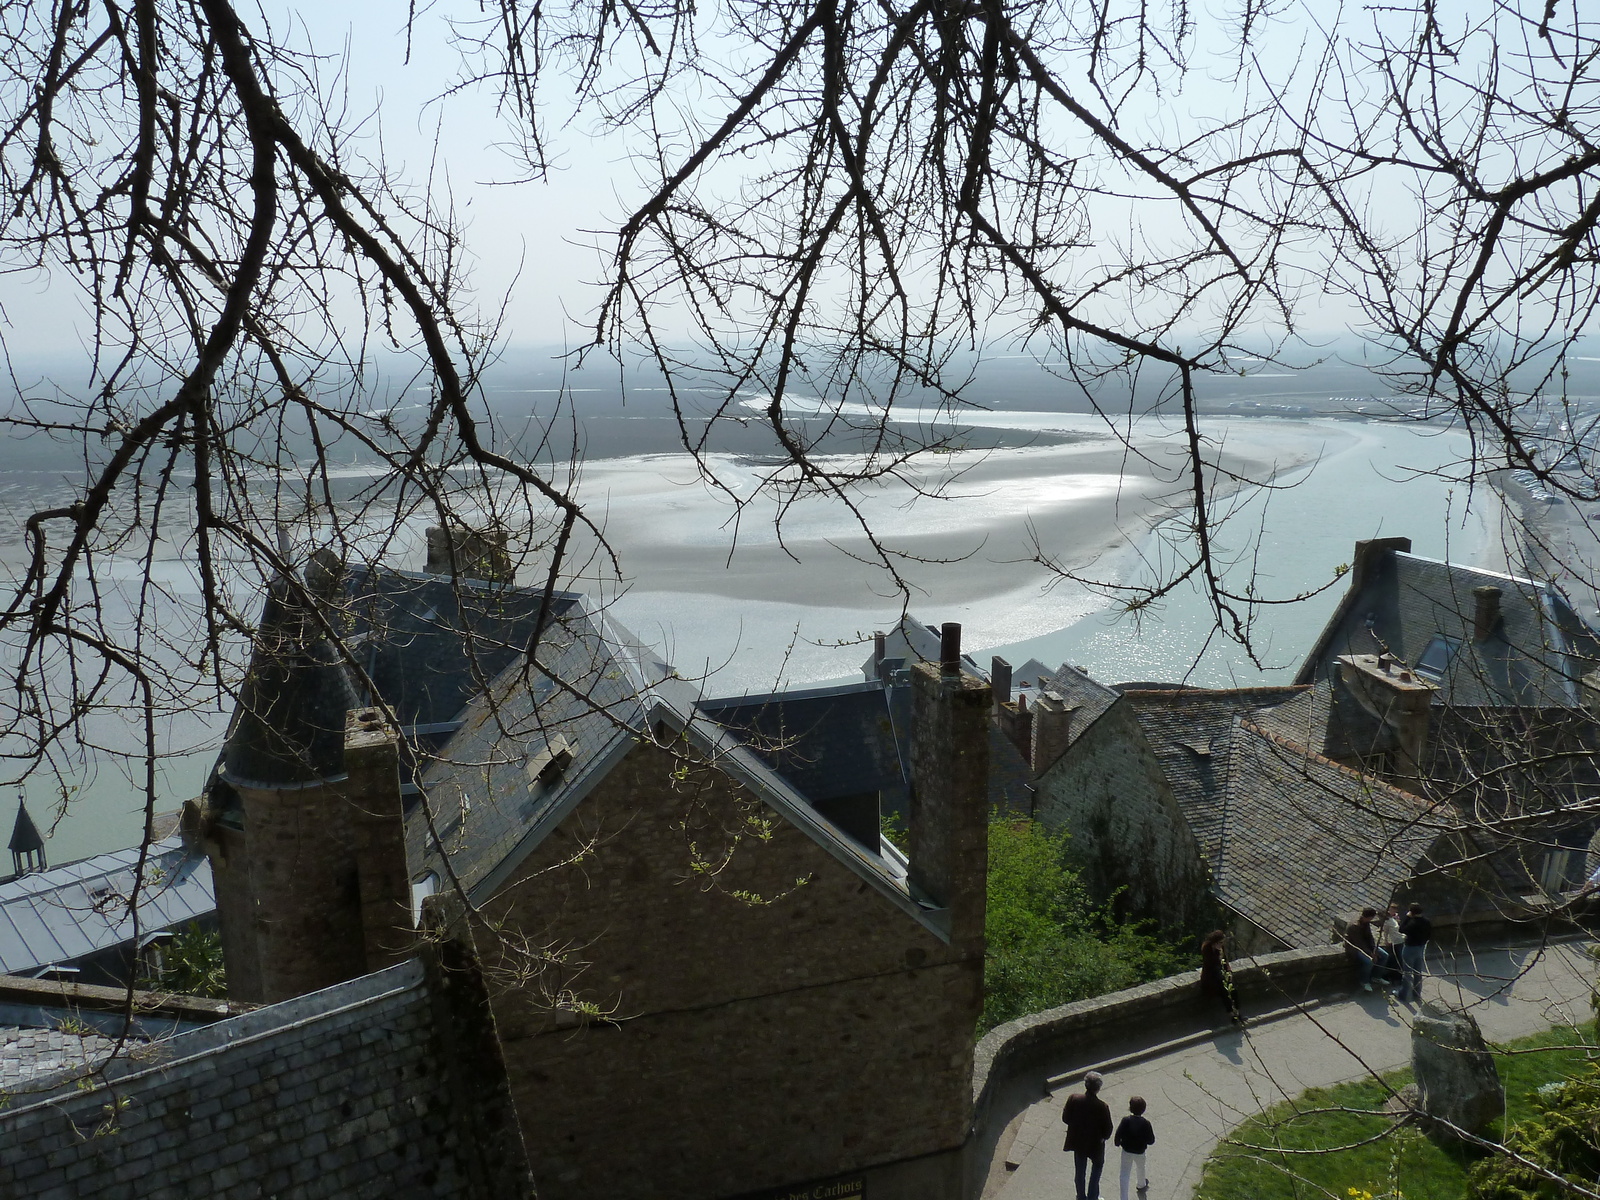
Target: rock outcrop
<point>1457,1081</point>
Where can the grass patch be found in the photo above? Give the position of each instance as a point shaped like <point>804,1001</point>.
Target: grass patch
<point>1363,1149</point>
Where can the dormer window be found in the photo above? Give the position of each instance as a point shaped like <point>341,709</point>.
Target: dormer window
<point>551,763</point>
<point>1436,658</point>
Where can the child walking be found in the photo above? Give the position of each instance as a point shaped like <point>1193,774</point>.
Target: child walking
<point>1135,1136</point>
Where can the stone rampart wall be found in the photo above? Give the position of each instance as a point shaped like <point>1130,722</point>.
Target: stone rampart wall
<point>348,1092</point>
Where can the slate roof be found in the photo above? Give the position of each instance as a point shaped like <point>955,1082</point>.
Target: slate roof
<point>1088,699</point>
<point>423,645</point>
<point>356,1090</point>
<point>1292,839</point>
<point>1305,841</point>
<point>588,690</point>
<point>30,1054</point>
<point>289,725</point>
<point>827,742</point>
<point>1190,730</point>
<point>72,911</point>
<point>597,692</point>
<point>1403,601</point>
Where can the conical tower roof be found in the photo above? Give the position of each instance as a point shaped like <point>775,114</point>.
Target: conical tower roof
<point>25,837</point>
<point>289,728</point>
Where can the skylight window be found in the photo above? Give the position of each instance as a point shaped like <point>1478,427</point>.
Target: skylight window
<point>1436,658</point>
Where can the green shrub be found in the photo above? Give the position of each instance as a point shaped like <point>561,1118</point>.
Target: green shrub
<point>1562,1136</point>
<point>191,964</point>
<point>1049,943</point>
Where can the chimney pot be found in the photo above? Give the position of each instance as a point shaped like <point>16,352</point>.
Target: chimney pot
<point>950,648</point>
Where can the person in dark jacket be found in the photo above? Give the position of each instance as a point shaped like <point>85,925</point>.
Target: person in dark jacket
<point>1216,980</point>
<point>1418,931</point>
<point>1135,1136</point>
<point>1361,942</point>
<point>1088,1122</point>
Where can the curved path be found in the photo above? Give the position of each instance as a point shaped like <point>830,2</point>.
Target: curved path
<point>1199,1092</point>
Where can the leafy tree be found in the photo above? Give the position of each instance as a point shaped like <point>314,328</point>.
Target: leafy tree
<point>1049,943</point>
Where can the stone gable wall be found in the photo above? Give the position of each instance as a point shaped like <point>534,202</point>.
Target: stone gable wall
<point>340,1094</point>
<point>757,1031</point>
<point>1127,828</point>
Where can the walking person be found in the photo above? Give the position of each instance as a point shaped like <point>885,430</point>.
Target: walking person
<point>1135,1136</point>
<point>1088,1121</point>
<point>1216,980</point>
<point>1418,931</point>
<point>1361,942</point>
<point>1393,939</point>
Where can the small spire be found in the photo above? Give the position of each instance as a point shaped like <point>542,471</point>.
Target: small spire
<point>27,847</point>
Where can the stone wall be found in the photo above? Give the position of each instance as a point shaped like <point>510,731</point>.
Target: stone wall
<point>368,1089</point>
<point>1128,831</point>
<point>766,1015</point>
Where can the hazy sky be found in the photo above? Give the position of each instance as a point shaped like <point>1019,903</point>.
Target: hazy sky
<point>539,244</point>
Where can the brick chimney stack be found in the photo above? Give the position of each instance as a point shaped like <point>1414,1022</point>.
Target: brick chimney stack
<point>1370,553</point>
<point>1000,681</point>
<point>949,835</point>
<point>1485,612</point>
<point>377,836</point>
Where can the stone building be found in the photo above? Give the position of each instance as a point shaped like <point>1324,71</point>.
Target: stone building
<point>1435,747</point>
<point>1193,808</point>
<point>1481,637</point>
<point>708,974</point>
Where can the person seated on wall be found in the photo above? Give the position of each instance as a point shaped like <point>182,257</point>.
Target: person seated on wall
<point>1362,948</point>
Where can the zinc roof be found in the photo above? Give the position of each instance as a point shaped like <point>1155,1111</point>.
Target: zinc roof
<point>72,911</point>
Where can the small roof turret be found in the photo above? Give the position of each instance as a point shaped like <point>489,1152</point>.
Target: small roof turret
<point>289,728</point>
<point>27,846</point>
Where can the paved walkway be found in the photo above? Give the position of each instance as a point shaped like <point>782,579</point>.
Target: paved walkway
<point>1197,1094</point>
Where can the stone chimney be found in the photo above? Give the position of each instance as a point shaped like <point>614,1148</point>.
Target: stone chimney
<point>1000,681</point>
<point>1485,612</point>
<point>1589,692</point>
<point>377,836</point>
<point>457,550</point>
<point>1369,554</point>
<point>1378,718</point>
<point>1052,731</point>
<point>949,834</point>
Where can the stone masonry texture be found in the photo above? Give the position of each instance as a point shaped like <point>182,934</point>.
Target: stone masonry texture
<point>768,1017</point>
<point>1129,834</point>
<point>344,1093</point>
